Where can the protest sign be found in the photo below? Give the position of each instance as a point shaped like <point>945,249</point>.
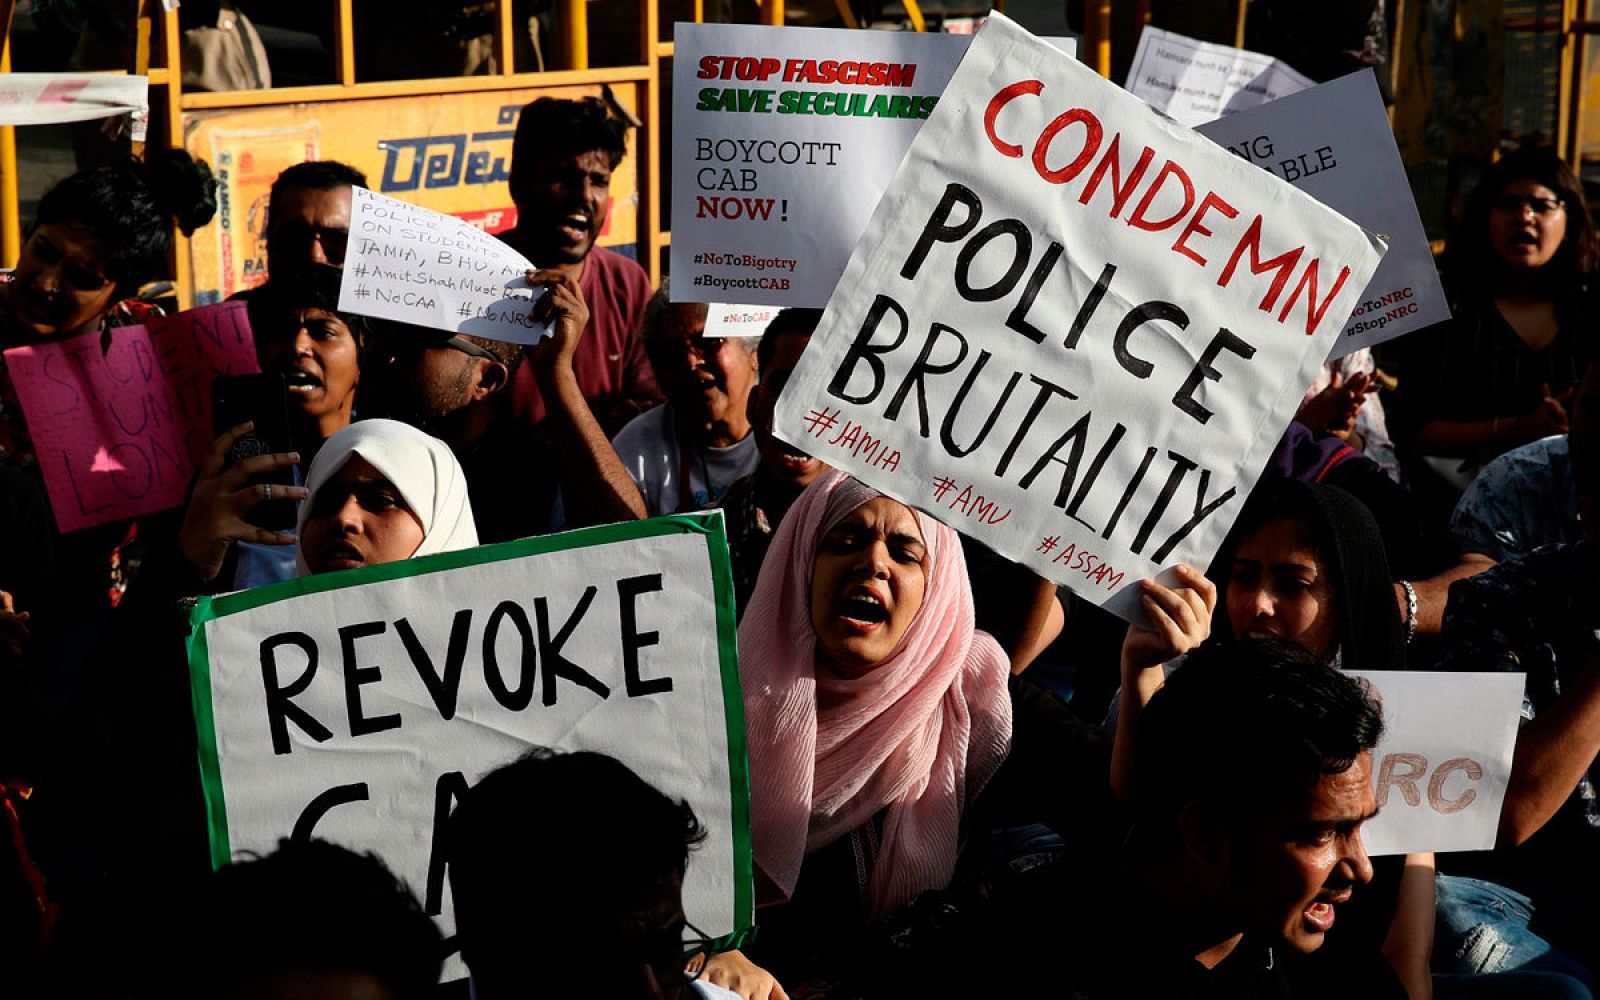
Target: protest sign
<point>57,98</point>
<point>737,321</point>
<point>422,267</point>
<point>1073,329</point>
<point>1334,143</point>
<point>119,430</point>
<point>359,706</point>
<point>1196,82</point>
<point>1441,769</point>
<point>782,142</point>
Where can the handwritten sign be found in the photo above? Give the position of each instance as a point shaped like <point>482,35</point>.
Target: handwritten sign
<point>738,321</point>
<point>1196,82</point>
<point>120,432</point>
<point>422,267</point>
<point>57,98</point>
<point>359,706</point>
<point>1441,771</point>
<point>783,140</point>
<point>1334,143</point>
<point>1073,329</point>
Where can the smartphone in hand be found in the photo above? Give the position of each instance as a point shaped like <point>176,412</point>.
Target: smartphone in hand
<point>264,400</point>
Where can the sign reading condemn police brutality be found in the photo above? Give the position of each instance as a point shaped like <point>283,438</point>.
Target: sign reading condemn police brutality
<point>783,139</point>
<point>1441,770</point>
<point>1073,329</point>
<point>359,706</point>
<point>418,266</point>
<point>1334,142</point>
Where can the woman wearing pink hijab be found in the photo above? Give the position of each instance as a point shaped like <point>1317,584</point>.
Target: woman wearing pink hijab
<point>875,716</point>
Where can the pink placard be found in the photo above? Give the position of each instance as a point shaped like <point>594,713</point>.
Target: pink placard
<point>119,433</point>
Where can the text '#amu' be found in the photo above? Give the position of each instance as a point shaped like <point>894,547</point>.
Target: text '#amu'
<point>1100,163</point>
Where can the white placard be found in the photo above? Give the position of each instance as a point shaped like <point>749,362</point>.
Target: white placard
<point>55,98</point>
<point>782,142</point>
<point>724,320</point>
<point>414,265</point>
<point>357,706</point>
<point>1441,770</point>
<point>1073,329</point>
<point>1196,82</point>
<point>1334,143</point>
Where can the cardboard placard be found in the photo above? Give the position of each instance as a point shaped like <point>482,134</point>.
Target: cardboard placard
<point>1441,770</point>
<point>120,432</point>
<point>357,706</point>
<point>1196,82</point>
<point>422,267</point>
<point>1073,329</point>
<point>1334,143</point>
<point>58,98</point>
<point>783,139</point>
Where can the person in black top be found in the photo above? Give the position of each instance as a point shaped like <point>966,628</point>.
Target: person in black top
<point>1252,781</point>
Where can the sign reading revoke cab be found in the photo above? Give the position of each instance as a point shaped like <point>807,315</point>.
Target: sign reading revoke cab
<point>359,706</point>
<point>1073,328</point>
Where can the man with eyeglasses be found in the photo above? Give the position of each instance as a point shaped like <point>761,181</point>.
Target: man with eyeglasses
<point>457,388</point>
<point>566,871</point>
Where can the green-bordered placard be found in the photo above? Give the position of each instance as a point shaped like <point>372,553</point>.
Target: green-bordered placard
<point>341,704</point>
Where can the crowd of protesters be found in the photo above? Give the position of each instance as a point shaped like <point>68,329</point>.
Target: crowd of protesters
<point>963,782</point>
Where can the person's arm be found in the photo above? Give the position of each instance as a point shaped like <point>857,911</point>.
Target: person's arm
<point>1013,604</point>
<point>1408,947</point>
<point>223,497</point>
<point>596,488</point>
<point>1554,751</point>
<point>1464,438</point>
<point>1433,593</point>
<point>1178,621</point>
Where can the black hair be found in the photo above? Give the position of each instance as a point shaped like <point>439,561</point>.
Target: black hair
<point>315,175</point>
<point>1247,725</point>
<point>130,209</point>
<point>794,320</point>
<point>548,847</point>
<point>1469,262</point>
<point>315,907</point>
<point>1349,549</point>
<point>312,286</point>
<point>552,126</point>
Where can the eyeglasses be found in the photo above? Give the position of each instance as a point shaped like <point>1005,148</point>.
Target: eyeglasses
<point>297,237</point>
<point>467,347</point>
<point>409,347</point>
<point>1516,204</point>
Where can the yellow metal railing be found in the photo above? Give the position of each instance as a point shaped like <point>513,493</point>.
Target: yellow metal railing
<point>157,54</point>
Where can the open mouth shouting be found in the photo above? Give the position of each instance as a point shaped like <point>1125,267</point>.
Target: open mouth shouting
<point>863,611</point>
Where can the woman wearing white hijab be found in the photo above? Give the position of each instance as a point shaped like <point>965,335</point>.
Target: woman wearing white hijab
<point>382,491</point>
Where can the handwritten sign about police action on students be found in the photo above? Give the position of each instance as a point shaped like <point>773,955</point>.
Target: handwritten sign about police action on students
<point>1196,82</point>
<point>783,140</point>
<point>120,427</point>
<point>1073,328</point>
<point>1334,143</point>
<point>1440,773</point>
<point>418,266</point>
<point>359,706</point>
<point>57,98</point>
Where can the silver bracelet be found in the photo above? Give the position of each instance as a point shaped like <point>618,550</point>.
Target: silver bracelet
<point>1411,610</point>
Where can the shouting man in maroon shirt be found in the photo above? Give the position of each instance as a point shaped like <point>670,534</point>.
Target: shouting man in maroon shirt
<point>561,164</point>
